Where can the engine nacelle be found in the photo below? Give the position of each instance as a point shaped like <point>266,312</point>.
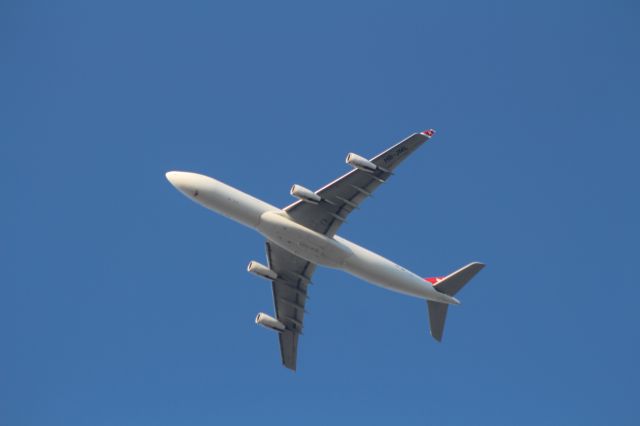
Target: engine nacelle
<point>269,322</point>
<point>260,270</point>
<point>360,163</point>
<point>305,194</point>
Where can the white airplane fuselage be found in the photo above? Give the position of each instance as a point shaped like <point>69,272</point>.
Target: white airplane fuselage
<point>276,225</point>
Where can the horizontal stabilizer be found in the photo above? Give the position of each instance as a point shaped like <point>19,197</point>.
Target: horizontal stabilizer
<point>452,283</point>
<point>437,316</point>
<point>449,285</point>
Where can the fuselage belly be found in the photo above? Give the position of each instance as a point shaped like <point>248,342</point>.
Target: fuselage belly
<point>275,225</point>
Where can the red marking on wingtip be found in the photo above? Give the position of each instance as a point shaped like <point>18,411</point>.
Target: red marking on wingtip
<point>434,280</point>
<point>429,132</point>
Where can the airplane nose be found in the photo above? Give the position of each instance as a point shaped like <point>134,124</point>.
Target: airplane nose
<point>173,178</point>
<point>183,182</point>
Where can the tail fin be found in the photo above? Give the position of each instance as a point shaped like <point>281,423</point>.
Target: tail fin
<point>449,285</point>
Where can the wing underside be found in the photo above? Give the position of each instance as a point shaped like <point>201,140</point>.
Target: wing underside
<point>338,199</point>
<point>343,195</point>
<point>289,297</point>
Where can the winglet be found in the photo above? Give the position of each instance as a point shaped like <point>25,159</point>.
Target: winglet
<point>428,133</point>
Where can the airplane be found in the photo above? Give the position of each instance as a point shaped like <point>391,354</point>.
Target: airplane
<point>303,235</point>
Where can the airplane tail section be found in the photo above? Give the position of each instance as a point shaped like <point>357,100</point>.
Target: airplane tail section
<point>437,315</point>
<point>449,285</point>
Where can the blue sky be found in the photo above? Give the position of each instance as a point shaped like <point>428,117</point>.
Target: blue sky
<point>123,303</point>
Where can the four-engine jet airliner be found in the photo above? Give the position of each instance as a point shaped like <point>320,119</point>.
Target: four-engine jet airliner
<point>303,235</point>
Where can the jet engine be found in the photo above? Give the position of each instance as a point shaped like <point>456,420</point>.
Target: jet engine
<point>360,163</point>
<point>260,270</point>
<point>305,194</point>
<point>269,322</point>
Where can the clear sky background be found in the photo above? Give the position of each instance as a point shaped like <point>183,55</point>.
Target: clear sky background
<point>123,303</point>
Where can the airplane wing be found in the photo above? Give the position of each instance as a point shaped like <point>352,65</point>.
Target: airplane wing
<point>289,297</point>
<point>343,195</point>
